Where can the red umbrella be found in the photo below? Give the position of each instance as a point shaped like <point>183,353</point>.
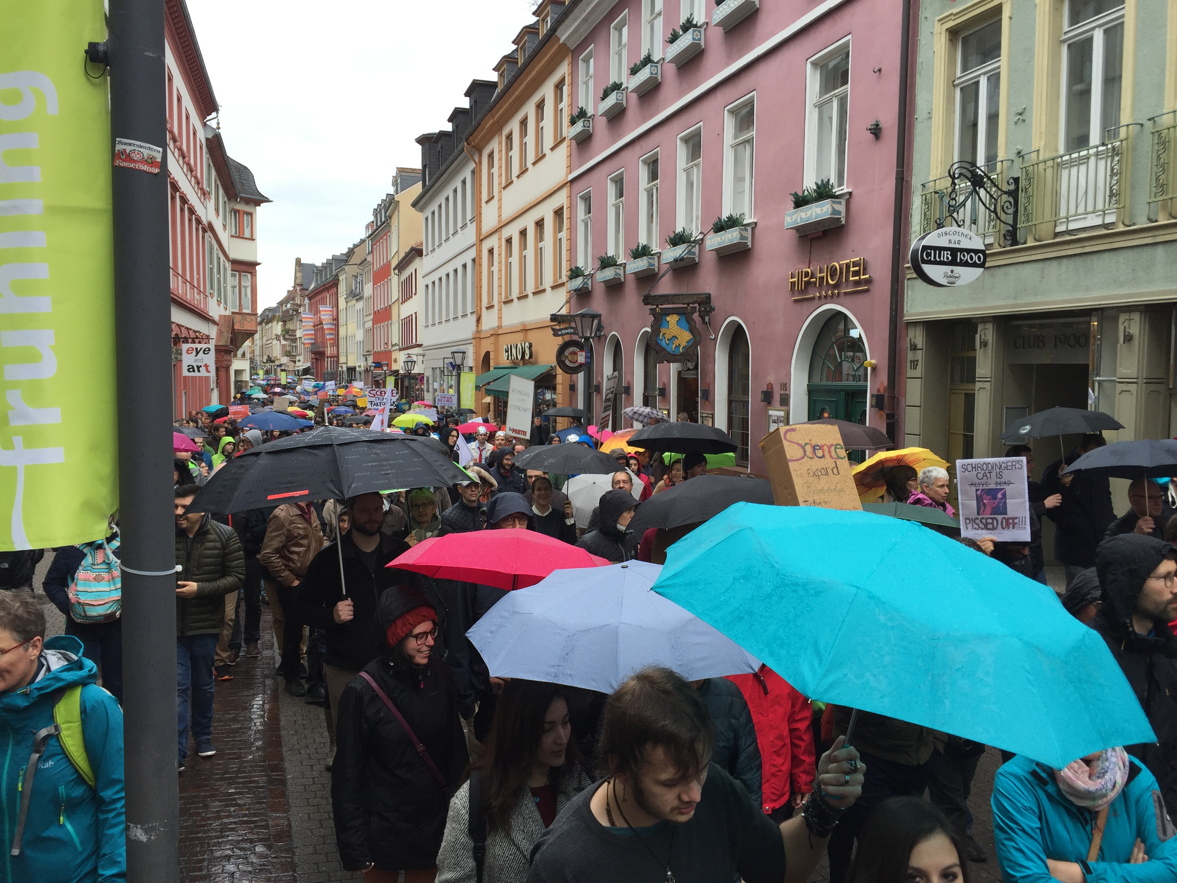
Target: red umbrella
<point>475,425</point>
<point>506,559</point>
<point>181,442</point>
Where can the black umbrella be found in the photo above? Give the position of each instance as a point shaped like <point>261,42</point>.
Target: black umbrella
<point>567,460</point>
<point>696,500</point>
<point>329,463</point>
<point>190,431</point>
<point>575,413</point>
<point>1060,421</point>
<point>465,411</point>
<point>356,420</point>
<point>680,438</point>
<point>1149,458</point>
<point>855,436</point>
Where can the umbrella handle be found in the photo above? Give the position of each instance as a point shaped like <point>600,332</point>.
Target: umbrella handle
<point>339,547</point>
<point>850,726</point>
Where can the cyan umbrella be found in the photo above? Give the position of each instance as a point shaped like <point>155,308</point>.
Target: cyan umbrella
<point>274,420</point>
<point>883,615</point>
<point>593,627</point>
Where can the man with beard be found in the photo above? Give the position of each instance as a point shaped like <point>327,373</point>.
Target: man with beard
<point>345,606</point>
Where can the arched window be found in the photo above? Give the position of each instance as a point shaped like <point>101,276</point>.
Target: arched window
<point>739,379</point>
<point>838,353</point>
<point>616,367</point>
<point>650,376</point>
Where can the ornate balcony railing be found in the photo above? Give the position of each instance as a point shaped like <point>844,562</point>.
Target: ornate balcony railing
<point>1077,190</point>
<point>1163,173</point>
<point>956,201</point>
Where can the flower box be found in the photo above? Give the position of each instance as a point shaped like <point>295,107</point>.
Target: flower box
<point>640,267</point>
<point>611,275</point>
<point>612,105</point>
<point>731,12</point>
<point>816,216</point>
<point>681,255</point>
<point>581,130</point>
<point>580,284</point>
<point>685,47</point>
<point>730,241</point>
<point>646,79</point>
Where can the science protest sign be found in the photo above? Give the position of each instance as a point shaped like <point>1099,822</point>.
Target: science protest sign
<point>808,466</point>
<point>994,499</point>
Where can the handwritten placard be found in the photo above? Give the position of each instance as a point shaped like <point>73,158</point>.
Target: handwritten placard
<point>808,466</point>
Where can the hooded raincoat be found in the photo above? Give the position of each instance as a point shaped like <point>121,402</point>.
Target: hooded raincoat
<point>1148,661</point>
<point>609,541</point>
<point>73,831</point>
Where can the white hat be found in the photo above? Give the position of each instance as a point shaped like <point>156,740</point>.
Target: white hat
<point>500,434</point>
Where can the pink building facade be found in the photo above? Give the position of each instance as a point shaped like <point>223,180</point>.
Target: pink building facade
<point>797,323</point>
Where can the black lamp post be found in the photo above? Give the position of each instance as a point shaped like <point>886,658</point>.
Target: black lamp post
<point>459,359</point>
<point>410,362</point>
<point>587,324</point>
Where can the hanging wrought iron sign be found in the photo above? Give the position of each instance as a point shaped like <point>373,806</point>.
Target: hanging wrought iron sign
<point>674,336</point>
<point>948,257</point>
<point>573,356</point>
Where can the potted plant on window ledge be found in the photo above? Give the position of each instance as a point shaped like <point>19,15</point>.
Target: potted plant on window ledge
<point>612,100</point>
<point>815,209</point>
<point>644,74</point>
<point>579,281</point>
<point>729,13</point>
<point>682,250</point>
<point>609,270</point>
<point>686,41</point>
<point>643,261</point>
<point>580,125</point>
<point>729,234</point>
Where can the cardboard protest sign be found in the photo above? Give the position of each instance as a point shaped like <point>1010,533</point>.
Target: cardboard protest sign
<point>239,412</point>
<point>808,466</point>
<point>994,499</point>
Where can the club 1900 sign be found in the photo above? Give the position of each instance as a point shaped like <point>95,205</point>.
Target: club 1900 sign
<point>948,257</point>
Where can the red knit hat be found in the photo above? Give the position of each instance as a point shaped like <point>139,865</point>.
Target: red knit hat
<point>404,624</point>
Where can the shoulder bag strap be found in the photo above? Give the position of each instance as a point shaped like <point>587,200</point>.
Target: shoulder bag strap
<point>1097,835</point>
<point>408,730</point>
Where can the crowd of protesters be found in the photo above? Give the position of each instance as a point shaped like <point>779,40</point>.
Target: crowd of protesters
<point>439,770</point>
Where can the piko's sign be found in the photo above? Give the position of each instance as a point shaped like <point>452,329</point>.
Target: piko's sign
<point>948,257</point>
<point>830,280</point>
<point>518,352</point>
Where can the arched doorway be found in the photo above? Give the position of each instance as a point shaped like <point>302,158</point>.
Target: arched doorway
<point>837,373</point>
<point>613,378</point>
<point>733,386</point>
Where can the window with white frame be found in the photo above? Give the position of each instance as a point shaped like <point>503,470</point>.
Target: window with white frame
<point>978,88</point>
<point>585,80</point>
<point>652,27</point>
<point>694,9</point>
<point>615,226</point>
<point>690,181</point>
<point>619,49</point>
<point>524,134</point>
<point>447,217</point>
<point>508,269</point>
<point>234,297</point>
<point>446,299</point>
<point>561,101</point>
<point>1093,63</point>
<point>584,242</point>
<point>829,108</point>
<point>490,277</point>
<point>648,218</point>
<point>462,201</point>
<point>247,292</point>
<point>541,255</point>
<point>465,288</point>
<point>558,258</point>
<point>490,174</point>
<point>541,119</point>
<point>524,258</point>
<point>740,132</point>
<point>508,158</point>
<point>473,196</point>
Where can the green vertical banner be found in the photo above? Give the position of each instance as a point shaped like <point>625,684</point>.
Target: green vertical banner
<point>58,464</point>
<point>467,391</point>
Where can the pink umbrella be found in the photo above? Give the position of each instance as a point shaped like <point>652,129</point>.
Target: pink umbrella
<point>474,426</point>
<point>181,442</point>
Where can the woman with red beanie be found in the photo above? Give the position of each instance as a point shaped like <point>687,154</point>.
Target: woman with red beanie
<point>401,752</point>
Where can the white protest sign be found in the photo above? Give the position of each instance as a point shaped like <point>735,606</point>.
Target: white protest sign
<point>199,360</point>
<point>465,455</point>
<point>994,499</point>
<point>445,400</point>
<point>520,398</point>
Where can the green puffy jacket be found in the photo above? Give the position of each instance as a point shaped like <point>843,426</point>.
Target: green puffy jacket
<point>212,558</point>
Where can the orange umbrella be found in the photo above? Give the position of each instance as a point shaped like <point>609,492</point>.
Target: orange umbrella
<point>870,477</point>
<point>621,440</point>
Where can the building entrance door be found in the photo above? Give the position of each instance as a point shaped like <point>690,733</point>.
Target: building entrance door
<point>837,378</point>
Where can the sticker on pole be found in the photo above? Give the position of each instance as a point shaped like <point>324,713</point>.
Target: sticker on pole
<point>137,155</point>
<point>948,257</point>
<point>199,360</point>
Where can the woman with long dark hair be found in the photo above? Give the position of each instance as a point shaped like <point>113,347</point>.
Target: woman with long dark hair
<point>908,840</point>
<point>902,481</point>
<point>526,773</point>
<point>450,436</point>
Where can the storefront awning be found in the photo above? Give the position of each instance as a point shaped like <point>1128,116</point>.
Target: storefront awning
<point>492,374</point>
<point>501,385</point>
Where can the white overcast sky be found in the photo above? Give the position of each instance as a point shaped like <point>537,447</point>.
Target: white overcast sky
<point>324,100</point>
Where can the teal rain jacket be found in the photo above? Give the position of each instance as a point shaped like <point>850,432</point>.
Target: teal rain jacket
<point>1033,822</point>
<point>74,833</point>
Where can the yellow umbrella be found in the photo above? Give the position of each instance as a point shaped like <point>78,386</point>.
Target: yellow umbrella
<point>870,476</point>
<point>410,420</point>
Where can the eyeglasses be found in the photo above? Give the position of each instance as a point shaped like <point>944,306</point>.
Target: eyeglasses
<point>417,507</point>
<point>422,637</point>
<point>1168,579</point>
<point>14,647</point>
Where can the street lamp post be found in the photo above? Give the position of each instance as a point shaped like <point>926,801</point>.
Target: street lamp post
<point>410,362</point>
<point>459,359</point>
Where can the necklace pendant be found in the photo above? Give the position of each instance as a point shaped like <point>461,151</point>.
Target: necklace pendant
<point>669,876</point>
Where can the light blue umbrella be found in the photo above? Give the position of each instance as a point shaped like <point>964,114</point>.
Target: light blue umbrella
<point>593,627</point>
<point>886,616</point>
<point>275,420</point>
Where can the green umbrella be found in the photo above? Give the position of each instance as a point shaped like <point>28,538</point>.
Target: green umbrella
<point>921,514</point>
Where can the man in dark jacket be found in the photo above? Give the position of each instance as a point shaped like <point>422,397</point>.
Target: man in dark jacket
<point>1085,511</point>
<point>1139,579</point>
<point>735,748</point>
<point>211,564</point>
<point>17,568</point>
<point>251,530</point>
<point>467,514</point>
<point>1149,512</point>
<point>507,475</point>
<point>613,539</point>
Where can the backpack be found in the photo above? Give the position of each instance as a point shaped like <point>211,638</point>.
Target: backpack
<point>96,590</point>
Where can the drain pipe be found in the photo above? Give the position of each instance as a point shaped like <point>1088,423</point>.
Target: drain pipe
<point>898,246</point>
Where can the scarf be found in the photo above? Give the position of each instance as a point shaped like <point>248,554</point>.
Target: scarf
<point>1094,785</point>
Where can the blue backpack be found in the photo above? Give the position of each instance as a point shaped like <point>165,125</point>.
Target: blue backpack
<point>96,590</point>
